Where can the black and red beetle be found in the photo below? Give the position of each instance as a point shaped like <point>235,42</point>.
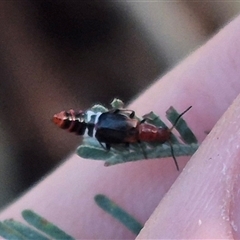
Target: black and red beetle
<point>117,126</point>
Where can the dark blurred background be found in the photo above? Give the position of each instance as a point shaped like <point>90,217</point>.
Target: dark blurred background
<point>57,55</point>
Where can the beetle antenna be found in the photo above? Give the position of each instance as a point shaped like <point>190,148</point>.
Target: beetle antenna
<point>179,116</point>
<point>172,152</point>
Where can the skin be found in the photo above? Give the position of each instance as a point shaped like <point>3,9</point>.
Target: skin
<point>203,201</point>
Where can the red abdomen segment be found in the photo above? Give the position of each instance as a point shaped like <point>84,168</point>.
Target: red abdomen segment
<point>150,133</point>
<point>71,120</point>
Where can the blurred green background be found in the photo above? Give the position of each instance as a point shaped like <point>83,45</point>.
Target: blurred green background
<point>71,54</point>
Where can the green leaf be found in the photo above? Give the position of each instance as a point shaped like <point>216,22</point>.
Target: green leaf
<point>117,103</point>
<point>45,226</point>
<point>134,152</point>
<point>25,230</point>
<point>14,230</point>
<point>99,108</point>
<point>118,213</point>
<point>10,233</point>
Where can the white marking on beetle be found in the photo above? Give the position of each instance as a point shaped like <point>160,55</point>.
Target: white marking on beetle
<point>88,117</point>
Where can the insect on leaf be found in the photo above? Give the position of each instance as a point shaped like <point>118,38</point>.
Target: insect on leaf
<point>119,153</point>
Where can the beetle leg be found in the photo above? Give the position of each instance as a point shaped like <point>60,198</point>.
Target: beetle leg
<point>143,150</point>
<point>175,160</point>
<point>102,145</point>
<point>130,113</point>
<point>143,120</point>
<point>116,111</point>
<point>127,144</point>
<point>107,147</point>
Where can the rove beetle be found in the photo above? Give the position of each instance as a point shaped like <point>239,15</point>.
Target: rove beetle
<point>117,126</point>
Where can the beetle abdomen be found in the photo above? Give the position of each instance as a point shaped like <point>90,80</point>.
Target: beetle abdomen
<point>71,121</point>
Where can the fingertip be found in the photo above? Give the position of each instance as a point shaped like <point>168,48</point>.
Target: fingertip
<point>202,202</point>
